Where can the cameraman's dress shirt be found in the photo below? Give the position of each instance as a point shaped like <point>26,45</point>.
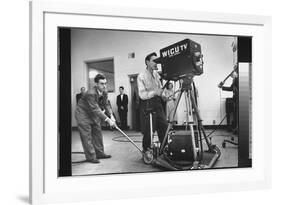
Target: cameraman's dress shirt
<point>148,84</point>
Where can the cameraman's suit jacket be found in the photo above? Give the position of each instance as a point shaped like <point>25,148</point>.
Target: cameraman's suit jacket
<point>93,107</point>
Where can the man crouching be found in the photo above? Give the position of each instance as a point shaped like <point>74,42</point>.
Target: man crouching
<point>91,110</point>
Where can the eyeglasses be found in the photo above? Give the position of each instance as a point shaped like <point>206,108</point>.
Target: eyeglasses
<point>102,83</point>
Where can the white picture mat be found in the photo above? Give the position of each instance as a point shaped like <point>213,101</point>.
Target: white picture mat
<point>134,185</point>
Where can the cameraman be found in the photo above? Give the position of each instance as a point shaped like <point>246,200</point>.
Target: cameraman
<point>150,92</point>
<point>234,88</point>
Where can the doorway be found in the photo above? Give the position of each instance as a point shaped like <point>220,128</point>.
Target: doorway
<point>103,66</point>
<point>136,117</point>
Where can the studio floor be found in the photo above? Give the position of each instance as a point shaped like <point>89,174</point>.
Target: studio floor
<point>127,159</point>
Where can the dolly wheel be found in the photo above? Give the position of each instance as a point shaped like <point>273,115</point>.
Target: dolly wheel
<point>148,157</point>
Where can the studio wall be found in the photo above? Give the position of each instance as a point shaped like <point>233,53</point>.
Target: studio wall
<point>91,44</point>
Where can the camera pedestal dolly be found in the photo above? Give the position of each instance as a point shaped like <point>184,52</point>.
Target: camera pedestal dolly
<point>159,155</point>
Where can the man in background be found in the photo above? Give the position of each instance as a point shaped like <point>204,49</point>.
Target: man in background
<point>92,109</point>
<point>79,95</point>
<point>122,104</point>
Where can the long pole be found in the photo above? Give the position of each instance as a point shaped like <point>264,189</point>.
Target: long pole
<point>125,135</point>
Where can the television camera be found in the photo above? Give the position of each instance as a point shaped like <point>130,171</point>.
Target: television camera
<point>180,60</point>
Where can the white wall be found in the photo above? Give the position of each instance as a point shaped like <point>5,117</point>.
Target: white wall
<point>90,44</point>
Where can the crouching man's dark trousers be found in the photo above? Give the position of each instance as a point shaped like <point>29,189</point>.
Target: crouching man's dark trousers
<point>90,134</point>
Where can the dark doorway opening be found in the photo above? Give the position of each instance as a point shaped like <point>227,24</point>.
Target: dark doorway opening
<point>136,117</point>
<point>103,66</point>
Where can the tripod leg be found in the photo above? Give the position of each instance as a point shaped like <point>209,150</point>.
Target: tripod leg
<point>198,131</point>
<point>190,122</point>
<point>151,129</point>
<point>170,124</point>
<point>200,140</point>
<point>194,104</point>
<point>200,126</point>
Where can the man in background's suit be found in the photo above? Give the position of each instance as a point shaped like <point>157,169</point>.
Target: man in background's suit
<point>79,95</point>
<point>122,104</point>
